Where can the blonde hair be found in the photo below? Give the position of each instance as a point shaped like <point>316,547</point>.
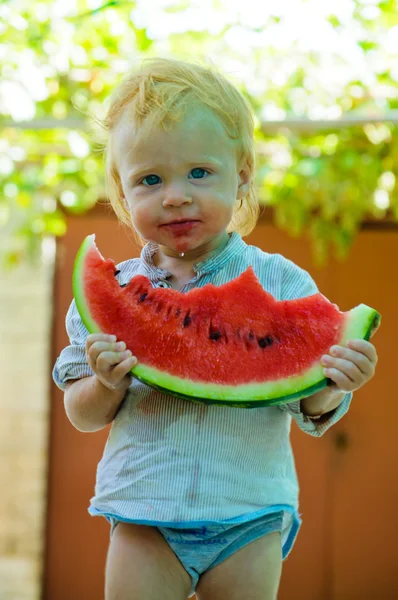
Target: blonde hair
<point>160,92</point>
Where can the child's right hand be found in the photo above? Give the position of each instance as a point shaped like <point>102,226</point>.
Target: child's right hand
<point>109,360</point>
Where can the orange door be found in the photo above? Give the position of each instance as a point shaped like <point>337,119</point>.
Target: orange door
<point>364,448</point>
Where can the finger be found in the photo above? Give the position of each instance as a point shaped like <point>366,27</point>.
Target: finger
<point>98,347</point>
<point>106,360</point>
<point>124,367</point>
<point>357,350</point>
<point>343,382</point>
<point>120,374</point>
<point>358,360</point>
<point>364,347</point>
<point>92,338</point>
<point>348,368</point>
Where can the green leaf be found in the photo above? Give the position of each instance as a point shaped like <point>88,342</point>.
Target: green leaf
<point>333,20</point>
<point>143,41</point>
<point>367,45</point>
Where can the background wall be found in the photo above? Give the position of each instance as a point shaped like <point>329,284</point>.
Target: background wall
<point>25,322</point>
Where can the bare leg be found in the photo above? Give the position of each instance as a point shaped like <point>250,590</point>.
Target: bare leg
<point>252,573</point>
<point>141,566</point>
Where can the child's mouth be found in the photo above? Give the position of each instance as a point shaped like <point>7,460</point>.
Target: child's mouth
<point>180,226</point>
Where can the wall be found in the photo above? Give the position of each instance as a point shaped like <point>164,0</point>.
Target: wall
<point>25,321</point>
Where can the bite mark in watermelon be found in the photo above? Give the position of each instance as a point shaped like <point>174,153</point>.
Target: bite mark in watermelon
<point>233,344</point>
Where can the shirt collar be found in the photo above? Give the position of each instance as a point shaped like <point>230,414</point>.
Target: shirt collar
<point>234,247</point>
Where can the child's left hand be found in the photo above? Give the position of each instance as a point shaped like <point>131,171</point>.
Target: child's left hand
<point>350,366</point>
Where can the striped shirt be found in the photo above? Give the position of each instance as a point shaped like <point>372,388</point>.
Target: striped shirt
<point>175,463</point>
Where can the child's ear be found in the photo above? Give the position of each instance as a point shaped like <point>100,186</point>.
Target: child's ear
<point>244,184</point>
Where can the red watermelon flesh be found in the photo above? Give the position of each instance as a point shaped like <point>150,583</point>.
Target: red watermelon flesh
<point>228,343</point>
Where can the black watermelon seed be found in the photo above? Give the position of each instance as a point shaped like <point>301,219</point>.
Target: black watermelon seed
<point>142,297</point>
<point>187,321</point>
<point>117,272</point>
<point>265,341</point>
<point>251,336</point>
<point>123,284</point>
<point>215,335</point>
<point>178,311</point>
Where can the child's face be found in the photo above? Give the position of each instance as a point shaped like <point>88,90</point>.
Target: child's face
<point>189,173</point>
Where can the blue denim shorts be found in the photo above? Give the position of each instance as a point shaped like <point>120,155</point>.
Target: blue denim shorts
<point>201,549</point>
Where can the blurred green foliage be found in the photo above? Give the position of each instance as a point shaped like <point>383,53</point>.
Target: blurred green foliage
<point>59,62</point>
<point>331,184</point>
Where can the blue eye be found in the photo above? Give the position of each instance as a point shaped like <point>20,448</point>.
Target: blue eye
<point>148,176</point>
<point>154,183</point>
<point>199,169</point>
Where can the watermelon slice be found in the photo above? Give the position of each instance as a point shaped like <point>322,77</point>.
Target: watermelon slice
<point>233,344</point>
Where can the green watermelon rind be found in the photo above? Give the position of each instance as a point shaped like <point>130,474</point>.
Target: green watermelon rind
<point>359,323</point>
<point>77,286</point>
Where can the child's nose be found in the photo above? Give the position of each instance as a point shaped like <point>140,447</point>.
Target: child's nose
<point>176,195</point>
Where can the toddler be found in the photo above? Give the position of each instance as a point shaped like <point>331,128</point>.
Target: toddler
<point>200,498</point>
